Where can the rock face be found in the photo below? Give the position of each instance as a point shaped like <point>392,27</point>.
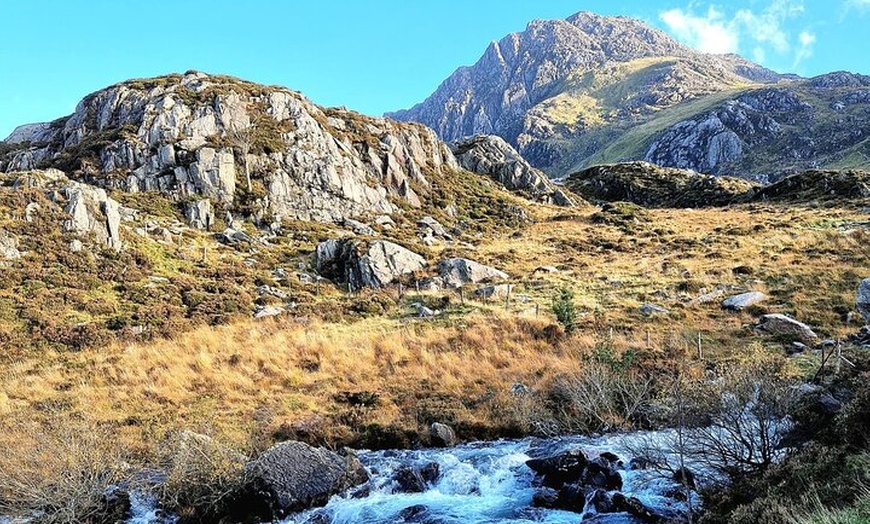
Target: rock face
<point>196,135</point>
<point>490,155</point>
<point>649,185</point>
<point>93,212</point>
<point>818,185</point>
<point>293,476</point>
<point>778,324</point>
<point>863,300</point>
<point>743,301</point>
<point>456,272</point>
<point>199,214</point>
<point>359,264</point>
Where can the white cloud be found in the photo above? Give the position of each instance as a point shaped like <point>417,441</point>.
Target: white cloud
<point>805,50</point>
<point>761,33</point>
<point>708,34</point>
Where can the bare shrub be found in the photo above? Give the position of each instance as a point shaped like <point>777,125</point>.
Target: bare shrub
<point>602,398</point>
<point>57,473</point>
<point>202,474</point>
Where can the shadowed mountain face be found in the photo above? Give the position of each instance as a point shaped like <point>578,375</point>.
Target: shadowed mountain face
<point>590,89</point>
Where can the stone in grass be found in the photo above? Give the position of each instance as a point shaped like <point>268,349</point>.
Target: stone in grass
<point>743,300</point>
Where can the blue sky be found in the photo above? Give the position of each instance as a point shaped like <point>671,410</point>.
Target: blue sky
<point>369,55</point>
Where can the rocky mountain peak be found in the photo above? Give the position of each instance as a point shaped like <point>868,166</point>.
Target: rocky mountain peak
<point>560,77</point>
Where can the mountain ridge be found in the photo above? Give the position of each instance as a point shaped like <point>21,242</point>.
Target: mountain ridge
<point>572,93</point>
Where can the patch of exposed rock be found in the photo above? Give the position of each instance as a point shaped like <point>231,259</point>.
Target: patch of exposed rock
<point>491,156</point>
<point>783,325</point>
<point>365,264</point>
<point>863,300</point>
<point>649,185</point>
<point>196,135</point>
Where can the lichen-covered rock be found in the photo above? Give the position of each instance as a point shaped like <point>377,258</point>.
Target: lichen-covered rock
<point>365,264</point>
<point>199,214</point>
<point>199,135</point>
<point>292,476</point>
<point>492,156</point>
<point>779,324</point>
<point>456,272</point>
<point>92,211</point>
<point>743,300</point>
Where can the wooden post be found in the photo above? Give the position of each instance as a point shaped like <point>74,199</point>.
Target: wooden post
<point>537,310</point>
<point>648,342</point>
<point>700,352</point>
<point>611,335</point>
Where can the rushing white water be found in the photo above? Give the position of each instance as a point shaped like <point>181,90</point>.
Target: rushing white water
<point>479,483</point>
<point>482,483</point>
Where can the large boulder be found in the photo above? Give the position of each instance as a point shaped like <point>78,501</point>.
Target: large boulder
<point>199,214</point>
<point>863,301</point>
<point>558,470</point>
<point>91,211</point>
<point>442,435</point>
<point>365,264</point>
<point>779,324</point>
<point>456,272</point>
<point>490,155</point>
<point>743,300</point>
<point>293,476</point>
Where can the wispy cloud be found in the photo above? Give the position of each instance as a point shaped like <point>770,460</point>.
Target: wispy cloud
<point>758,33</point>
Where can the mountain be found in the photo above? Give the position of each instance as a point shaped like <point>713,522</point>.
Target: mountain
<point>569,94</point>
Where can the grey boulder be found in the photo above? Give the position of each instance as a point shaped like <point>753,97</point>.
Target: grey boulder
<point>778,324</point>
<point>441,435</point>
<point>199,214</point>
<point>456,272</point>
<point>293,476</point>
<point>8,246</point>
<point>743,301</point>
<point>365,264</point>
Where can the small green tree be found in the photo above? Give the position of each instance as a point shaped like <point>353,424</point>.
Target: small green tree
<point>564,309</point>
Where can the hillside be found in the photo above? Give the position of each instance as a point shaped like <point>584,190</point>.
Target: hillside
<point>590,90</point>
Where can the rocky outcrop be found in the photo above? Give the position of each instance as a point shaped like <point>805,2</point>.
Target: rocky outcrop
<point>199,214</point>
<point>91,211</point>
<point>818,185</point>
<point>365,264</point>
<point>456,272</point>
<point>649,185</point>
<point>8,246</point>
<point>783,325</point>
<point>292,476</point>
<point>863,300</point>
<point>490,155</point>
<point>196,135</point>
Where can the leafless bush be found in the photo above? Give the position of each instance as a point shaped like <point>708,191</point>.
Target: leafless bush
<point>602,398</point>
<point>201,475</point>
<point>57,473</point>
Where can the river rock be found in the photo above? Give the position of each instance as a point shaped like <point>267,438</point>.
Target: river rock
<point>293,476</point>
<point>778,324</point>
<point>408,479</point>
<point>743,301</point>
<point>8,246</point>
<point>456,272</point>
<point>863,300</point>
<point>600,473</point>
<point>441,435</point>
<point>560,469</point>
